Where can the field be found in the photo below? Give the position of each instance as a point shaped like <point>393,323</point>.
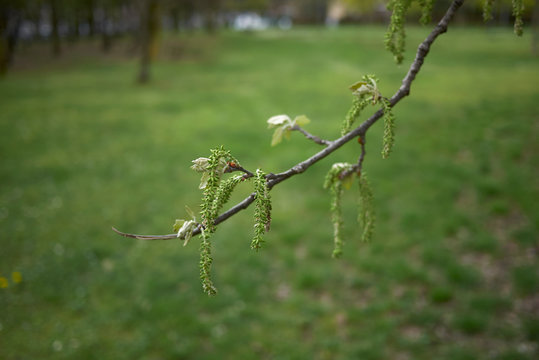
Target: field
<point>451,272</point>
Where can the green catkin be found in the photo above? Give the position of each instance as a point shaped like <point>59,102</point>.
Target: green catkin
<point>396,35</point>
<point>210,191</point>
<point>426,10</point>
<point>223,193</point>
<point>334,182</point>
<point>366,217</point>
<point>262,209</point>
<point>487,9</point>
<point>336,218</point>
<point>206,261</point>
<point>518,9</point>
<point>389,129</point>
<point>208,213</point>
<point>358,104</point>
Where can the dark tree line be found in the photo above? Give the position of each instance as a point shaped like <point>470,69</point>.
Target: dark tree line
<point>60,21</point>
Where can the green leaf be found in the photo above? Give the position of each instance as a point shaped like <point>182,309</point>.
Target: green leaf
<point>204,180</point>
<point>277,136</point>
<point>178,224</point>
<point>301,120</point>
<point>348,181</point>
<point>200,164</point>
<point>187,236</point>
<point>278,120</point>
<point>190,212</point>
<point>355,86</point>
<point>286,133</point>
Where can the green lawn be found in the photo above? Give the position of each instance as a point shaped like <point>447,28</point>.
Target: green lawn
<point>450,274</point>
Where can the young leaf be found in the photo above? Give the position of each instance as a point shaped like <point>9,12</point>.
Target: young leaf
<point>286,133</point>
<point>200,164</point>
<point>301,120</point>
<point>277,136</point>
<point>190,212</point>
<point>355,86</point>
<point>178,225</point>
<point>347,181</point>
<point>204,180</point>
<point>278,120</point>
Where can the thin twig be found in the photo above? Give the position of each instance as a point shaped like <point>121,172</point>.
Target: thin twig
<point>362,140</point>
<point>235,167</point>
<point>403,91</point>
<point>310,136</point>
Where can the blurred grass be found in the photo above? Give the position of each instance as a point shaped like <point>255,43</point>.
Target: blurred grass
<point>451,274</point>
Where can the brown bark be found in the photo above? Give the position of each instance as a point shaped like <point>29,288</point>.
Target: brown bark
<point>149,38</point>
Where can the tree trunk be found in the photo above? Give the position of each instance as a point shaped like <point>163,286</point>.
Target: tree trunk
<point>90,17</point>
<point>56,46</point>
<point>3,41</point>
<point>175,16</point>
<point>106,31</point>
<point>74,23</point>
<point>149,42</point>
<point>210,11</point>
<point>535,29</point>
<point>10,21</point>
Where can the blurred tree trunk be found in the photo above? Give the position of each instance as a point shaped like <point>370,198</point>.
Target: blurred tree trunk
<point>74,26</point>
<point>175,16</point>
<point>10,21</point>
<point>149,38</point>
<point>106,30</point>
<point>56,46</point>
<point>535,28</point>
<point>90,17</point>
<point>210,10</point>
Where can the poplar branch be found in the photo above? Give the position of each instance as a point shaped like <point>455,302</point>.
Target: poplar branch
<point>331,146</point>
<point>310,136</point>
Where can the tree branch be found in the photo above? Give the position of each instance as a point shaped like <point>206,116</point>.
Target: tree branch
<point>310,136</point>
<point>274,179</point>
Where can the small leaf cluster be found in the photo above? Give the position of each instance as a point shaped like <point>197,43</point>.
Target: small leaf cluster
<point>365,92</point>
<point>185,228</point>
<point>262,209</point>
<point>284,125</point>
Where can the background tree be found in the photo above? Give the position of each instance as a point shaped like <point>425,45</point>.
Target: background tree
<point>149,32</point>
<point>10,20</point>
<point>210,10</point>
<point>55,7</point>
